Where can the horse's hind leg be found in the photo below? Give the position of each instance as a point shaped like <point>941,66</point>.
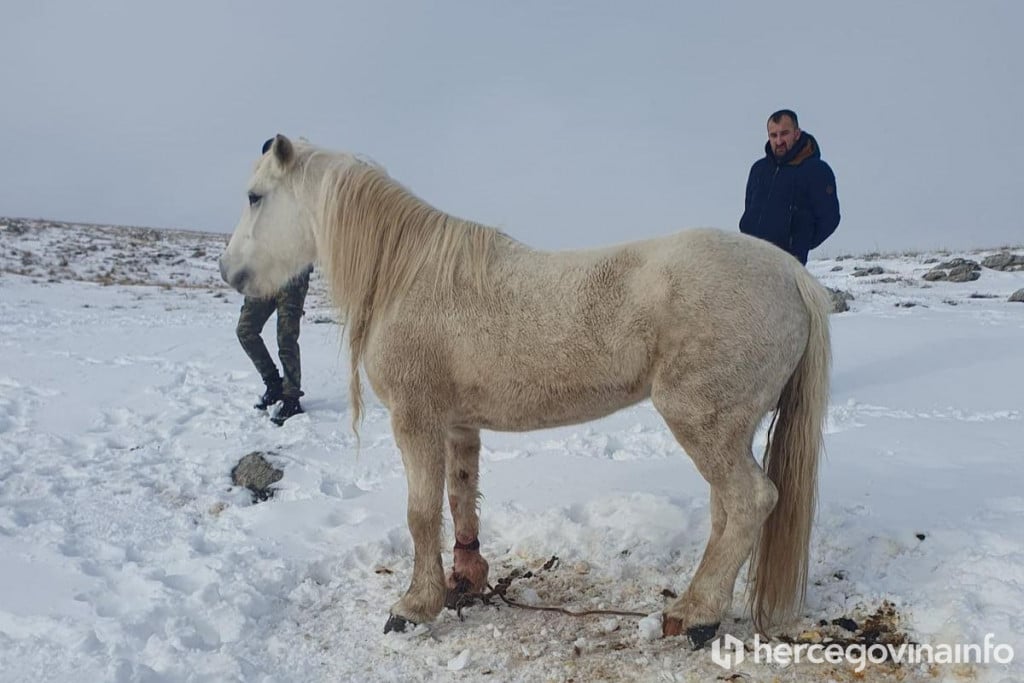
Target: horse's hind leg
<point>462,455</point>
<point>742,497</point>
<point>423,446</point>
<point>747,498</point>
<point>719,516</point>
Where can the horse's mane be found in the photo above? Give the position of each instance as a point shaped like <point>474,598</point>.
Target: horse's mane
<point>376,238</point>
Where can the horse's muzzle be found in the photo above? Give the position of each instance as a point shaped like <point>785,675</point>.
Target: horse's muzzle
<point>237,280</point>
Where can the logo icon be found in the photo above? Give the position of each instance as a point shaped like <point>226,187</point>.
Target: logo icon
<point>727,651</point>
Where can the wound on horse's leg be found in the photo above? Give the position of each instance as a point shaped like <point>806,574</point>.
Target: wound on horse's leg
<point>469,573</point>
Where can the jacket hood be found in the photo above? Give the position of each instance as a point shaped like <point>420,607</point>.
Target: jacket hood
<point>806,148</point>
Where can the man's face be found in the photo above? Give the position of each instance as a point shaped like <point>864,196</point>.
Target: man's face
<point>782,136</point>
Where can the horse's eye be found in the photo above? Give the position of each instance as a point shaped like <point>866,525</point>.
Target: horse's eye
<point>254,198</point>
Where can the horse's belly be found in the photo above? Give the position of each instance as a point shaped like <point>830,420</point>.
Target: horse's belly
<point>524,409</point>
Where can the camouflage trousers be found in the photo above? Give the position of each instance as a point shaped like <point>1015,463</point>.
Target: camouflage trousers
<point>287,303</point>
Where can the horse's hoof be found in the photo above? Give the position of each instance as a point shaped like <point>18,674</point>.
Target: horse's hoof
<point>700,635</point>
<point>454,598</point>
<point>397,624</point>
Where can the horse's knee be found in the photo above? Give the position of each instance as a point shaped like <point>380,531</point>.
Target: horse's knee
<point>424,521</point>
<point>424,471</point>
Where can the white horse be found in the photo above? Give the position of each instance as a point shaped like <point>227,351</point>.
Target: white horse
<point>459,328</point>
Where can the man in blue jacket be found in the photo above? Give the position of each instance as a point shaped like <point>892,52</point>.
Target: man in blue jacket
<point>791,193</point>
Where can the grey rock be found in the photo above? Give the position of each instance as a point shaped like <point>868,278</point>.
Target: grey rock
<point>1004,261</point>
<point>963,273</point>
<point>958,263</point>
<point>255,473</point>
<point>1017,296</point>
<point>933,275</point>
<point>861,271</point>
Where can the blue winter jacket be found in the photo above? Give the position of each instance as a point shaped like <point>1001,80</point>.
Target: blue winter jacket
<point>792,201</point>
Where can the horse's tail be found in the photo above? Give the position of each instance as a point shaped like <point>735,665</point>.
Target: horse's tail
<point>778,566</point>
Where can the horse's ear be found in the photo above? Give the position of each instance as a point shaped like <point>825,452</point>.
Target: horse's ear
<point>266,145</point>
<point>283,150</point>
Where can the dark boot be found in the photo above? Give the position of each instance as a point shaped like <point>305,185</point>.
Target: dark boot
<point>272,395</point>
<point>289,407</point>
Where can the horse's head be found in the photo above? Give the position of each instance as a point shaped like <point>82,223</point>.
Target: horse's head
<point>273,241</point>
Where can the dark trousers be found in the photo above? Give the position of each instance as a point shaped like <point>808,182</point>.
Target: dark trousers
<point>255,313</point>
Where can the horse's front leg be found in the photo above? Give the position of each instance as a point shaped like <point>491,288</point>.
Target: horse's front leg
<point>469,573</point>
<point>423,446</point>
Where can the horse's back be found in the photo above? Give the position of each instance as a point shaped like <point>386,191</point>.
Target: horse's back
<point>710,256</point>
<point>710,279</point>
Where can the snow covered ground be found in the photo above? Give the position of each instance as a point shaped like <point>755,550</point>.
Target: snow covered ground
<point>127,555</point>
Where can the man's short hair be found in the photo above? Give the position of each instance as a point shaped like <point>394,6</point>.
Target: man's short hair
<point>777,116</point>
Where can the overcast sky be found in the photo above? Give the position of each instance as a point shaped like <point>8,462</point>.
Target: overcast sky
<point>565,124</point>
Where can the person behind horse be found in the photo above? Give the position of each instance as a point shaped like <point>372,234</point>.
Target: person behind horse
<point>288,303</point>
<point>791,198</point>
